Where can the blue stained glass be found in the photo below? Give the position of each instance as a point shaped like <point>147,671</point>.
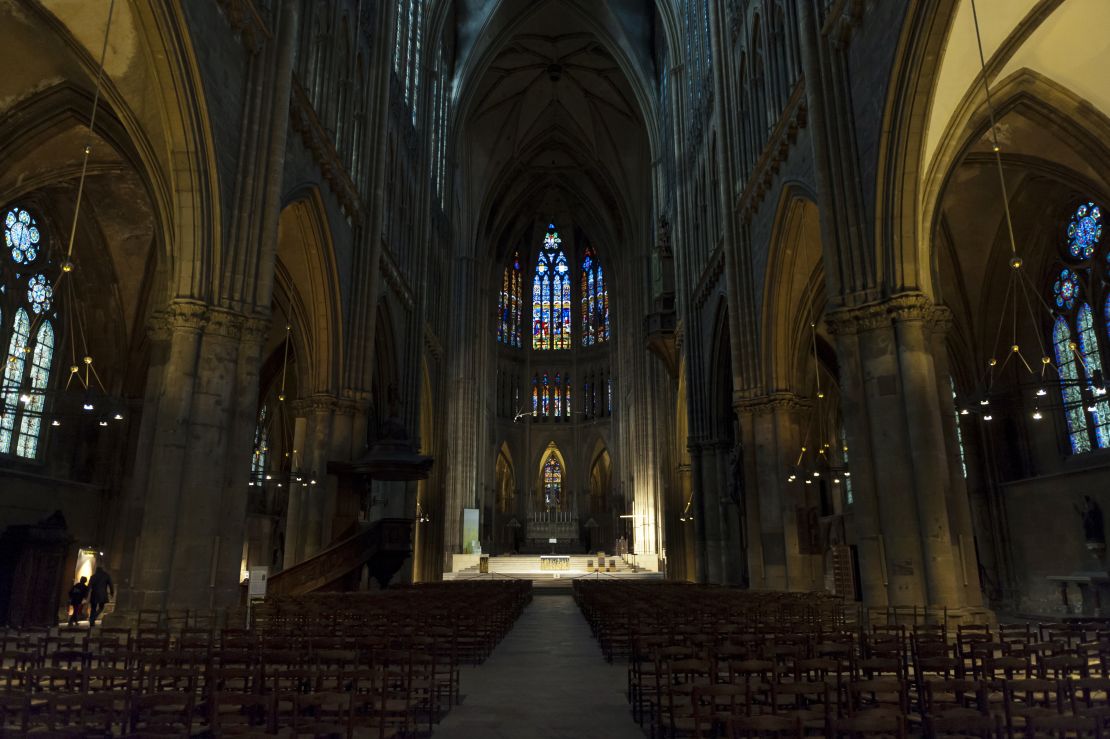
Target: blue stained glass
<point>1084,231</point>
<point>40,294</point>
<point>1074,413</point>
<point>1066,289</point>
<point>31,424</point>
<point>566,398</point>
<point>552,481</point>
<point>508,327</point>
<point>1092,363</point>
<point>546,396</point>
<point>551,297</point>
<point>535,396</point>
<point>13,378</point>
<point>21,236</point>
<point>558,395</point>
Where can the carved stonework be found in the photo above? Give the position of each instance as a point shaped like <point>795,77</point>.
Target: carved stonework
<point>663,237</point>
<point>841,18</point>
<point>255,329</point>
<point>775,151</point>
<point>318,141</point>
<point>710,278</point>
<point>225,323</point>
<point>769,404</point>
<point>901,308</point>
<point>178,316</point>
<point>247,22</point>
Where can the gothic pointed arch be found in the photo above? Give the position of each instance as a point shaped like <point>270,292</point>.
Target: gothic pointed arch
<point>505,480</point>
<point>306,273</point>
<point>552,479</point>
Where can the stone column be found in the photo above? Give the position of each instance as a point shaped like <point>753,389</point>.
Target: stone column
<point>176,335</point>
<point>753,536</point>
<point>959,504</point>
<point>864,513</point>
<point>902,447</point>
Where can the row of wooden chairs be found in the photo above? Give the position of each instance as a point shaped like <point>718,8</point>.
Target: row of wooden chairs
<point>373,665</point>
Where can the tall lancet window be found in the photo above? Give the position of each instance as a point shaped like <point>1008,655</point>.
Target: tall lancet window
<point>510,304</point>
<point>1092,364</point>
<point>552,481</point>
<point>26,310</point>
<point>551,296</point>
<point>595,301</point>
<point>1073,396</point>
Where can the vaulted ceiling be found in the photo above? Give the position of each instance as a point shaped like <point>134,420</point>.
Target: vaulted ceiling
<point>552,124</point>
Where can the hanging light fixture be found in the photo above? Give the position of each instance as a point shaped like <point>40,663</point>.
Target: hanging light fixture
<point>289,470</point>
<point>61,291</point>
<point>1021,300</point>
<point>811,465</point>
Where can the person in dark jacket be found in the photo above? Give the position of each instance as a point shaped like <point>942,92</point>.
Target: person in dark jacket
<point>100,591</point>
<point>77,595</point>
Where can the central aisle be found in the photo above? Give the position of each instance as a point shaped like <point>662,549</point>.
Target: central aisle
<point>547,679</point>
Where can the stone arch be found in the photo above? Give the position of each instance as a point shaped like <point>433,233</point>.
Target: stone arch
<point>164,113</point>
<point>307,274</point>
<point>551,451</point>
<point>600,479</point>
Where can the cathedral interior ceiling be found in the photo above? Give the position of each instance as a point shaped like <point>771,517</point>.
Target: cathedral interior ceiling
<point>1058,41</point>
<point>552,110</point>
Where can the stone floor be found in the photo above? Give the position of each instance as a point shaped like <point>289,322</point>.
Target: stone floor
<point>547,679</point>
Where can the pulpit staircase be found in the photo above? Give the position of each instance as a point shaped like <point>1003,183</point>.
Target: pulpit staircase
<point>382,545</point>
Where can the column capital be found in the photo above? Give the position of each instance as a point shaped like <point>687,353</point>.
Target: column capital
<point>179,315</point>
<point>225,323</point>
<point>316,404</point>
<point>767,404</point>
<point>902,308</point>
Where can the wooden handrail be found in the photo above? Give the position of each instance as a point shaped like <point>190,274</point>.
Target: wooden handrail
<point>331,568</point>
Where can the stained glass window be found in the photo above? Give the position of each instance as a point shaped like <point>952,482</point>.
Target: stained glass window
<point>535,395</point>
<point>35,400</point>
<point>594,301</point>
<point>21,235</point>
<point>558,400</point>
<point>1066,289</point>
<point>566,398</point>
<point>552,481</point>
<point>13,378</point>
<point>509,305</point>
<point>546,396</point>
<point>551,296</point>
<point>1084,231</point>
<point>1092,363</point>
<point>1072,394</point>
<point>40,294</point>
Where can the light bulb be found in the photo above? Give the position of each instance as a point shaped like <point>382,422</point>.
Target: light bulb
<point>964,411</point>
<point>987,417</point>
<point>1037,415</point>
<point>118,416</point>
<point>1041,392</point>
<point>984,401</point>
<point>103,423</point>
<point>88,406</point>
<point>55,422</point>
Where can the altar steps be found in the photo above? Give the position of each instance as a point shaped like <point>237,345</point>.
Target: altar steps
<point>528,568</point>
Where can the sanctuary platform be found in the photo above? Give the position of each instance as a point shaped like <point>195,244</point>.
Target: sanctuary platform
<point>546,570</point>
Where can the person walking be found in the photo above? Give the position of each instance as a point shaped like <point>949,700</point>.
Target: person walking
<point>100,591</point>
<point>77,595</point>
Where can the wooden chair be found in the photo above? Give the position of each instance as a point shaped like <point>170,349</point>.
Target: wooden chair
<point>873,723</point>
<point>767,726</point>
<point>167,713</point>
